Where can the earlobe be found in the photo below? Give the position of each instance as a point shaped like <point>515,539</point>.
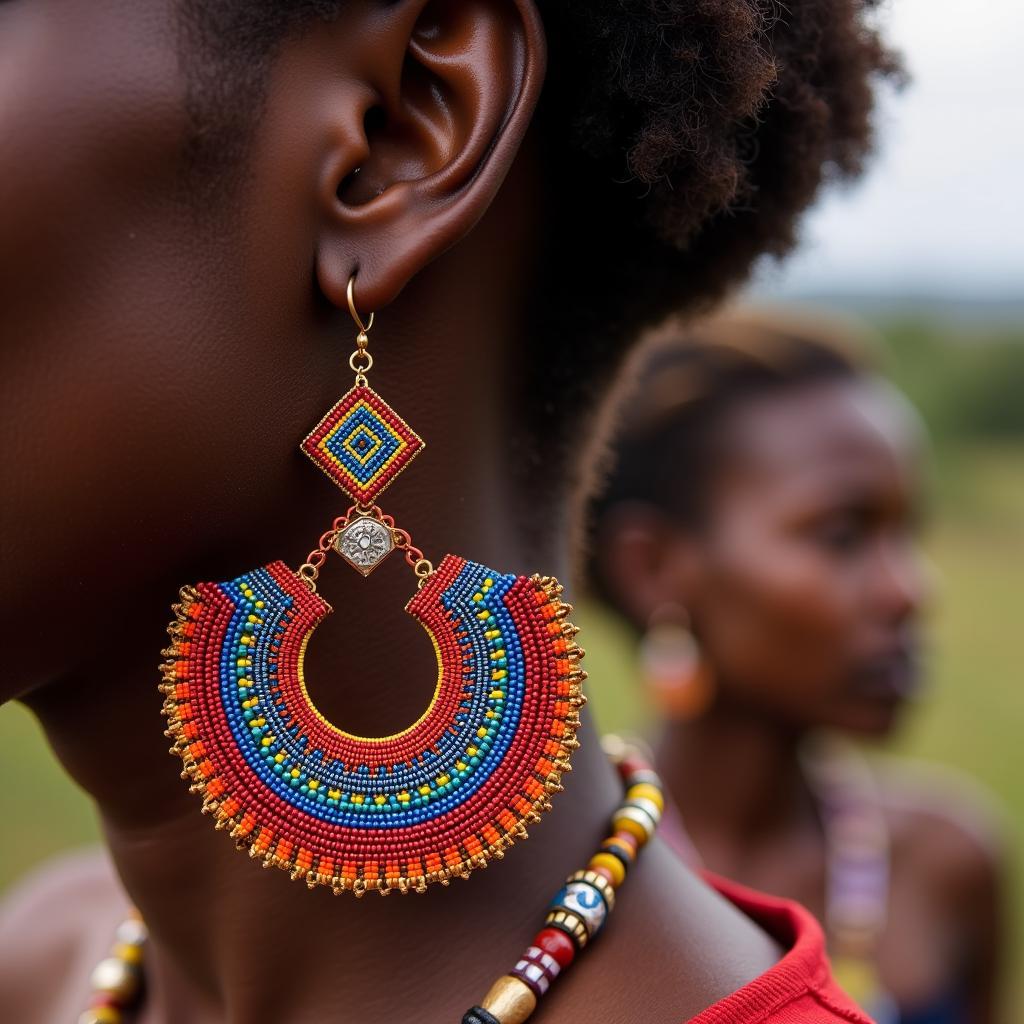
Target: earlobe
<point>633,545</point>
<point>456,84</point>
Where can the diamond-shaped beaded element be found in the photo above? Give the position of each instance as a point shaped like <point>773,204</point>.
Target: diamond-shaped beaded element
<point>362,444</point>
<point>364,544</point>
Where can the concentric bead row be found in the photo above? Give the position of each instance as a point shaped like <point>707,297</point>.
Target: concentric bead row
<point>362,444</point>
<point>581,907</point>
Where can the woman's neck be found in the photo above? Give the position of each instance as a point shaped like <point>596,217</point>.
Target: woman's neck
<point>736,778</point>
<point>255,946</point>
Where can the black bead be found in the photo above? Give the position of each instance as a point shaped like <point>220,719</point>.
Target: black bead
<point>478,1015</point>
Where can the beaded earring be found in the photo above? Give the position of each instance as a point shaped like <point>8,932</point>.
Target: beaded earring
<point>675,673</point>
<point>437,800</point>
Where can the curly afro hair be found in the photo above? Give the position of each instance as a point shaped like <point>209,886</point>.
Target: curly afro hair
<point>684,139</point>
<point>701,130</point>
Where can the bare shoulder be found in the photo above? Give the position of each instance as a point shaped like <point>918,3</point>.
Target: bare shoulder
<point>946,826</point>
<point>55,925</point>
<point>699,947</point>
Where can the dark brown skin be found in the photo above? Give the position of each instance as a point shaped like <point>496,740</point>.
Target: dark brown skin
<point>805,591</point>
<point>158,372</point>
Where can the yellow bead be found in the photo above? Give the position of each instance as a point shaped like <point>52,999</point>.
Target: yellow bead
<point>510,1000</point>
<point>101,1015</point>
<point>128,952</point>
<point>857,975</point>
<point>636,823</point>
<point>649,792</point>
<point>611,864</point>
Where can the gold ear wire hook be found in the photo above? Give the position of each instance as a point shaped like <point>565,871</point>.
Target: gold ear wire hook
<point>350,292</point>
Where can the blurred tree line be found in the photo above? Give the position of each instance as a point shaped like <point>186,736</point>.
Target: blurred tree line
<point>965,376</point>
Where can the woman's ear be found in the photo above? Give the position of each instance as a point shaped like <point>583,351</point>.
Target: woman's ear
<point>646,562</point>
<point>447,90</point>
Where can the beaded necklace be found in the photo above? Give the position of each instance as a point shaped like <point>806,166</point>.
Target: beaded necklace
<point>574,917</point>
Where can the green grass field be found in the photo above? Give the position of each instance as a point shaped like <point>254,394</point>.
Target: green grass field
<point>972,720</point>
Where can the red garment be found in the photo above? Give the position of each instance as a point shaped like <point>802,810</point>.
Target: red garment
<point>799,989</point>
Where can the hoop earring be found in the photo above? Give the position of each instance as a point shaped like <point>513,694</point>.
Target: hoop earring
<point>443,797</point>
<point>675,672</point>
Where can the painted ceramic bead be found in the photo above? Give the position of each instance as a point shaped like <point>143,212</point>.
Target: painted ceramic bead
<point>571,924</point>
<point>584,901</point>
<point>537,969</point>
<point>599,882</point>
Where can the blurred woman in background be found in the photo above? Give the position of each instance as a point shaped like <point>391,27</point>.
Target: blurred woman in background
<point>757,524</point>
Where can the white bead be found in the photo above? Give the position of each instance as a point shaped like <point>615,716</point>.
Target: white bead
<point>648,805</point>
<point>132,932</point>
<point>115,977</point>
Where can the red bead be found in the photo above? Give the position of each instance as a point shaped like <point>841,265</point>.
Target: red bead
<point>556,944</point>
<point>632,763</point>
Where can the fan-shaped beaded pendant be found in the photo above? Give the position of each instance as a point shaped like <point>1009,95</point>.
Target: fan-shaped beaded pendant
<point>436,800</point>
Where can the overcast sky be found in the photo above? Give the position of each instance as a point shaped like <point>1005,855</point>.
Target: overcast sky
<point>941,208</point>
